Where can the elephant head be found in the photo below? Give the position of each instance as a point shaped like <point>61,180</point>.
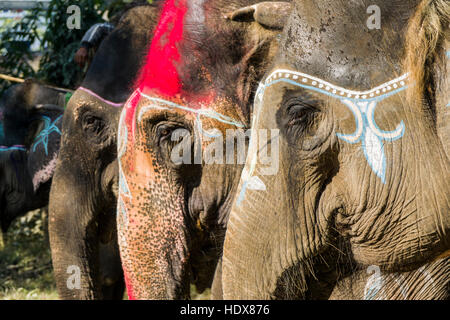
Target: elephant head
<point>364,170</point>
<point>192,102</point>
<point>27,170</point>
<point>83,197</point>
<point>18,110</point>
<point>30,123</point>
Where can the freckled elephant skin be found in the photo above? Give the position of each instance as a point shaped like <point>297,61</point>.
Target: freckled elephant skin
<point>84,190</point>
<point>200,75</point>
<point>363,179</point>
<point>30,123</point>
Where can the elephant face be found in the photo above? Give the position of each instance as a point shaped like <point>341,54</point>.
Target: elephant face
<point>17,108</point>
<point>27,171</point>
<point>84,190</point>
<point>30,122</point>
<point>82,199</point>
<point>362,166</point>
<point>178,173</point>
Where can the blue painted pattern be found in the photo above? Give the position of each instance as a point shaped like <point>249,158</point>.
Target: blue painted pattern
<point>2,133</point>
<point>361,103</point>
<point>19,147</point>
<point>42,137</point>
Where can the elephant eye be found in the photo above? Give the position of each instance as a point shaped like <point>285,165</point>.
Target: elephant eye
<point>165,132</point>
<point>299,112</point>
<point>93,125</point>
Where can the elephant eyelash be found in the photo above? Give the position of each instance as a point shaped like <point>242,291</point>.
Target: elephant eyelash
<point>96,129</point>
<point>299,113</point>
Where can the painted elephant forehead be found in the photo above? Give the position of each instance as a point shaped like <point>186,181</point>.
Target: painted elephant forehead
<point>160,72</point>
<point>43,136</point>
<point>313,83</point>
<point>361,103</point>
<point>100,98</point>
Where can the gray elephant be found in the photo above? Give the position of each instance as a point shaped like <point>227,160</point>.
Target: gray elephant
<point>83,196</point>
<point>194,95</point>
<point>31,116</point>
<point>363,169</point>
<point>431,281</point>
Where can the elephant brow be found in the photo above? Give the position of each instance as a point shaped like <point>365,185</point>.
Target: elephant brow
<point>200,112</point>
<point>313,83</point>
<point>361,103</point>
<point>117,105</point>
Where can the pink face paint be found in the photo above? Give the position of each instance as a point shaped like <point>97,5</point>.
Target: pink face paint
<point>130,109</point>
<point>117,105</point>
<point>45,173</point>
<point>16,146</point>
<point>159,72</point>
<point>130,292</point>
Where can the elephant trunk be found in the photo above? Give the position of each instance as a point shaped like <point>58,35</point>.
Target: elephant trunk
<point>153,248</point>
<point>73,239</point>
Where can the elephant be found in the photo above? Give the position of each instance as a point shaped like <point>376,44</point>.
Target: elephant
<point>18,107</point>
<point>192,99</point>
<point>83,195</point>
<point>363,164</point>
<point>30,118</point>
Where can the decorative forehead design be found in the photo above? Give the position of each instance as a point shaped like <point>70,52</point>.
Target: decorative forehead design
<point>361,103</point>
<point>159,71</point>
<point>90,92</point>
<point>200,112</point>
<point>49,127</point>
<point>309,82</point>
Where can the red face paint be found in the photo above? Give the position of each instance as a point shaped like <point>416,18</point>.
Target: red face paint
<point>160,72</point>
<point>130,292</point>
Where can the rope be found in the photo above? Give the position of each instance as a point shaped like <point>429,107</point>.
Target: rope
<point>19,80</point>
<point>9,78</point>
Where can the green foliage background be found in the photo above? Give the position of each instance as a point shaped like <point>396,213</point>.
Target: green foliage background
<point>58,43</point>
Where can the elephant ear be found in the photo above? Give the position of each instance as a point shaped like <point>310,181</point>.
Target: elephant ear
<point>45,136</point>
<point>261,25</point>
<point>428,62</point>
<point>271,15</point>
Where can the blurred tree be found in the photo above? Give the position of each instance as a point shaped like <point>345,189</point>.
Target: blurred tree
<point>58,43</point>
<point>15,43</point>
